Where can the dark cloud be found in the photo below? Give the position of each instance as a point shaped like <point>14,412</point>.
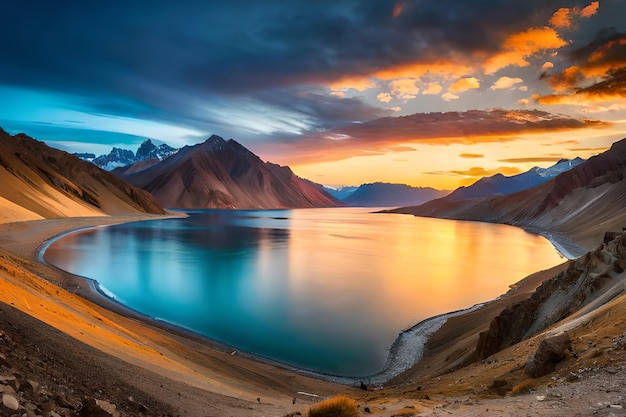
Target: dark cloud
<point>181,62</point>
<point>469,127</point>
<point>597,73</point>
<point>462,126</point>
<point>238,47</point>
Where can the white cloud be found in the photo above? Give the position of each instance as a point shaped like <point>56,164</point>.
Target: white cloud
<point>384,97</point>
<point>449,96</point>
<point>505,83</point>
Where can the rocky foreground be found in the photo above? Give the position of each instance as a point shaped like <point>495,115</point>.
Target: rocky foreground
<point>44,372</point>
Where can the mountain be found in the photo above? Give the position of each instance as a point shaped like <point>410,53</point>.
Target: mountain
<point>224,174</point>
<point>123,157</point>
<point>500,184</point>
<point>582,203</point>
<point>42,182</point>
<point>381,194</point>
<point>340,193</point>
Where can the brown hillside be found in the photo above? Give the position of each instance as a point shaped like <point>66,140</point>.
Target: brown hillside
<point>224,174</point>
<point>581,203</point>
<point>42,182</point>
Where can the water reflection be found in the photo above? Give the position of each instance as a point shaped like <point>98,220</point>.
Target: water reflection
<point>323,289</point>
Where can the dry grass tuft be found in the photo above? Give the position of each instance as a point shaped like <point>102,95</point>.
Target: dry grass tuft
<point>340,406</point>
<point>523,387</point>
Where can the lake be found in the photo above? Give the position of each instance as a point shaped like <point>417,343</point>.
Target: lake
<point>326,290</point>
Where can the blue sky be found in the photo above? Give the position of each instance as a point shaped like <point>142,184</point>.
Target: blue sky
<point>324,86</point>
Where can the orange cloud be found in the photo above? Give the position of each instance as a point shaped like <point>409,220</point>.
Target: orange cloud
<point>432,89</point>
<point>595,150</point>
<point>530,160</point>
<point>442,69</point>
<point>405,88</point>
<point>397,8</point>
<point>472,155</point>
<point>613,88</point>
<point>562,18</point>
<point>482,172</point>
<point>383,135</point>
<point>359,83</point>
<point>548,65</point>
<point>437,70</point>
<point>590,10</point>
<point>519,47</point>
<point>598,77</point>
<point>566,79</point>
<point>523,101</point>
<point>464,84</point>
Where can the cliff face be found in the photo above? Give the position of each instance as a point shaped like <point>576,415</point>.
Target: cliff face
<point>587,283</point>
<point>41,182</point>
<point>224,174</point>
<point>582,203</point>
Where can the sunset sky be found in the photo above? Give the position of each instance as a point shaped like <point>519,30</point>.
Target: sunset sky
<point>428,93</point>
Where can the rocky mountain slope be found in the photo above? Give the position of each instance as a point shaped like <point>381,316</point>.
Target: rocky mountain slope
<point>588,283</point>
<point>381,194</point>
<point>42,182</point>
<point>582,203</point>
<point>500,184</point>
<point>224,174</point>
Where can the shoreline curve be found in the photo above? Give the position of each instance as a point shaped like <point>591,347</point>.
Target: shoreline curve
<point>405,352</point>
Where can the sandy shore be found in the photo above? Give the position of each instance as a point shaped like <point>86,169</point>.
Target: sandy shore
<point>234,383</point>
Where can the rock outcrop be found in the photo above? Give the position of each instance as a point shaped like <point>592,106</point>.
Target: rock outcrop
<point>587,282</point>
<point>550,352</point>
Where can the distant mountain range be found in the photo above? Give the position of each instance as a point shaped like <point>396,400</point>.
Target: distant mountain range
<point>340,193</point>
<point>583,203</point>
<point>499,184</point>
<point>380,194</point>
<point>42,182</point>
<point>224,174</point>
<point>123,157</point>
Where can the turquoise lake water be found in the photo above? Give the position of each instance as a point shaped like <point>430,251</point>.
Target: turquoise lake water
<point>326,290</point>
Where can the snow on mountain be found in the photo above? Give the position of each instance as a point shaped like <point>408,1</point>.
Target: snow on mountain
<point>119,157</point>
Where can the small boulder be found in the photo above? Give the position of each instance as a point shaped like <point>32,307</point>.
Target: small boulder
<point>10,402</point>
<point>551,351</point>
<point>98,408</point>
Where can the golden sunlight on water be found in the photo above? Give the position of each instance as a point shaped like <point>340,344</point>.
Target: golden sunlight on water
<point>426,266</point>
